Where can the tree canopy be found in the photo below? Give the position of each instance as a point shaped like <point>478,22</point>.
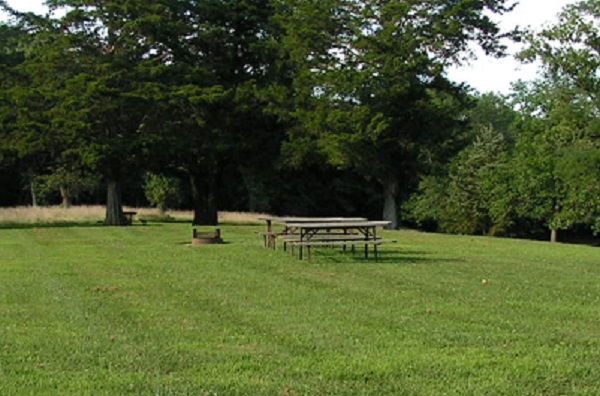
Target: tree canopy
<point>303,107</point>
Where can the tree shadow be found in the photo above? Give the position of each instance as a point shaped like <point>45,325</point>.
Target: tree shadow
<point>236,224</point>
<point>166,221</point>
<point>68,224</point>
<point>53,224</point>
<point>199,245</point>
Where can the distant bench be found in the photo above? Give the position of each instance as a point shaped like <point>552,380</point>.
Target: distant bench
<point>129,216</point>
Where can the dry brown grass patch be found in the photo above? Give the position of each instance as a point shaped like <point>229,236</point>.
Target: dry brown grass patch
<point>57,214</point>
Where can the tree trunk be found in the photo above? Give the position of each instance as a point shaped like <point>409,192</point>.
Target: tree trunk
<point>114,206</point>
<point>33,195</point>
<point>554,231</point>
<point>390,208</point>
<point>553,235</point>
<point>65,194</point>
<point>204,198</point>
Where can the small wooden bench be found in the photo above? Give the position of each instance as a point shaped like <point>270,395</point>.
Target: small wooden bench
<point>269,238</point>
<point>353,242</point>
<point>129,217</point>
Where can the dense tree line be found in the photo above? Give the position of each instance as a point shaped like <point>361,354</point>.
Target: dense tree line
<point>299,107</point>
<point>534,159</point>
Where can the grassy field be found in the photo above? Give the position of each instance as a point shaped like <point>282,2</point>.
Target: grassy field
<point>93,310</point>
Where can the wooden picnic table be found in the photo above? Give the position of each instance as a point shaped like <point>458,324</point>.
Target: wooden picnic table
<point>269,235</point>
<point>284,220</point>
<point>312,233</point>
<point>129,216</point>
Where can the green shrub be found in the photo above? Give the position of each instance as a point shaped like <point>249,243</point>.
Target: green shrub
<point>161,191</point>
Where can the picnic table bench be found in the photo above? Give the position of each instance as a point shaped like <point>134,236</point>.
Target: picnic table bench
<point>366,243</point>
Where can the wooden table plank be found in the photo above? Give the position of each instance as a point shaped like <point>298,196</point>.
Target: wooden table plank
<point>340,225</point>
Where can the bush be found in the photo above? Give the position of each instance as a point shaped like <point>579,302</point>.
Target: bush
<point>161,191</point>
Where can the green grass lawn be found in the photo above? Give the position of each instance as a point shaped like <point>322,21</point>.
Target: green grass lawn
<point>90,310</point>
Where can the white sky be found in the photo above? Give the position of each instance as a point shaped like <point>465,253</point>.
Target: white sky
<point>488,74</point>
<point>484,74</point>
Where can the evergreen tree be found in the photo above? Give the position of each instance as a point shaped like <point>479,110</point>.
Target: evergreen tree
<point>474,193</point>
<point>371,92</point>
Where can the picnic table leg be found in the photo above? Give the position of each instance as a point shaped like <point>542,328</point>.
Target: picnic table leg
<point>368,233</point>
<point>301,240</point>
<point>366,243</point>
<point>375,243</point>
<point>271,233</point>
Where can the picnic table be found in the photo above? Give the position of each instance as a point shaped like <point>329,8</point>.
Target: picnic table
<point>269,235</point>
<point>331,233</point>
<point>129,216</point>
<point>284,220</point>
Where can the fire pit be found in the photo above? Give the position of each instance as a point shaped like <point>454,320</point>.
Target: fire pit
<point>205,238</point>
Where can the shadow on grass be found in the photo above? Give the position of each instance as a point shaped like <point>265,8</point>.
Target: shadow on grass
<point>189,244</point>
<point>67,224</point>
<point>164,220</point>
<point>240,223</point>
<point>393,257</point>
<point>54,224</point>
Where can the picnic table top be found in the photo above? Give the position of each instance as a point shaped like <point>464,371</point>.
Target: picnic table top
<point>286,220</point>
<point>346,224</point>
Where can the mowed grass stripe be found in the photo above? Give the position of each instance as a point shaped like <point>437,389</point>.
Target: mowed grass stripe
<point>98,310</point>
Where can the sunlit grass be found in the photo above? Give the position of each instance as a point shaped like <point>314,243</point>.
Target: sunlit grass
<point>134,310</point>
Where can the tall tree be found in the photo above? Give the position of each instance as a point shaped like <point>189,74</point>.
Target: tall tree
<point>93,66</point>
<point>19,143</point>
<point>564,105</point>
<point>555,160</point>
<point>372,83</point>
<point>223,58</point>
